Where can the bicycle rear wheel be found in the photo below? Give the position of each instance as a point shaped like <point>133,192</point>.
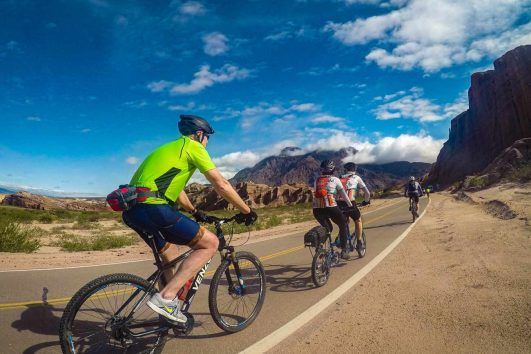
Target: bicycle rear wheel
<point>320,267</point>
<point>235,302</point>
<point>91,322</point>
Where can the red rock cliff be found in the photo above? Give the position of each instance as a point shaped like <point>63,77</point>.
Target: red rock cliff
<point>499,114</point>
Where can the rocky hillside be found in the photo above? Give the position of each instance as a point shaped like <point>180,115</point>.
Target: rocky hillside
<point>33,201</point>
<point>255,195</point>
<point>294,166</point>
<point>499,114</point>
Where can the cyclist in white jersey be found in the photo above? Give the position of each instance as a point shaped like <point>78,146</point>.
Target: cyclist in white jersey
<point>326,189</point>
<point>352,183</point>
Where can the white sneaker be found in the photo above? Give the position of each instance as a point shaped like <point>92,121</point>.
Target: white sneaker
<point>171,309</point>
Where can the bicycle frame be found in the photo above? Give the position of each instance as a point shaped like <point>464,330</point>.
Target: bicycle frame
<point>158,275</point>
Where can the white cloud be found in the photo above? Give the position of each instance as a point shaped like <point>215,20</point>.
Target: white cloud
<point>231,163</point>
<point>305,107</point>
<point>278,36</point>
<point>202,79</point>
<point>189,106</point>
<point>215,43</point>
<point>412,105</point>
<point>413,148</point>
<point>192,8</point>
<point>132,160</point>
<point>457,107</point>
<point>288,33</point>
<point>136,104</point>
<point>436,34</point>
<point>34,119</point>
<point>85,130</point>
<point>159,86</point>
<point>406,147</point>
<point>326,118</point>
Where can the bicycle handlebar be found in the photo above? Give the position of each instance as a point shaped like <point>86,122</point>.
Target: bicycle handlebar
<point>219,221</point>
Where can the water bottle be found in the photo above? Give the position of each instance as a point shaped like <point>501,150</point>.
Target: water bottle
<point>184,290</point>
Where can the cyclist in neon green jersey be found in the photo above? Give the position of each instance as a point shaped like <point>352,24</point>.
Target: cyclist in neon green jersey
<point>165,172</point>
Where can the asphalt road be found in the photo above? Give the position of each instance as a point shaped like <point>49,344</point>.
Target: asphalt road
<point>28,325</point>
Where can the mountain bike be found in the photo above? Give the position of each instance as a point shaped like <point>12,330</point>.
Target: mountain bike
<point>326,254</point>
<point>109,314</point>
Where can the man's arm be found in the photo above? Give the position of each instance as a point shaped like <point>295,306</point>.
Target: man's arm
<point>185,202</point>
<point>366,192</point>
<point>226,191</point>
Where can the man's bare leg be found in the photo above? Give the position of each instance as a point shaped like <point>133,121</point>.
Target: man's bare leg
<point>203,251</point>
<point>359,228</point>
<point>171,252</point>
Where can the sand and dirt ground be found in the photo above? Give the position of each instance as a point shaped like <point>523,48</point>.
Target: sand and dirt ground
<point>459,282</point>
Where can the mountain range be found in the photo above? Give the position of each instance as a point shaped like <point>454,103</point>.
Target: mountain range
<point>293,165</point>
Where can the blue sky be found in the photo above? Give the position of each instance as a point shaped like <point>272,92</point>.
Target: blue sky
<point>90,87</point>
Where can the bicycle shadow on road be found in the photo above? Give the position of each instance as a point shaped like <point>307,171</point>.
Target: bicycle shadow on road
<point>395,223</point>
<point>290,278</point>
<point>40,319</point>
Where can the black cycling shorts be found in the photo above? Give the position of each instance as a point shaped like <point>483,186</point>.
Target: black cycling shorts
<point>323,216</point>
<point>354,213</point>
<point>415,197</point>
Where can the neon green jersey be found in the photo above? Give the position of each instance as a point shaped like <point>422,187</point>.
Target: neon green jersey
<point>169,167</point>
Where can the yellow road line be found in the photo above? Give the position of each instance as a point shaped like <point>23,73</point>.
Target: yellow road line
<point>64,300</point>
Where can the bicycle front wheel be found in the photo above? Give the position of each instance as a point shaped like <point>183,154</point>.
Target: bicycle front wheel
<point>361,252</point>
<point>106,316</point>
<point>235,300</point>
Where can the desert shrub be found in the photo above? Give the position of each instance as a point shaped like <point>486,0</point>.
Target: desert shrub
<point>105,242</point>
<point>46,219</point>
<point>523,173</point>
<point>17,238</point>
<point>272,221</point>
<point>83,225</point>
<point>99,242</point>
<point>476,182</point>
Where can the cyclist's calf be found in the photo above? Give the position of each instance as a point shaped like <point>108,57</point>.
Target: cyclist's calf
<point>203,250</point>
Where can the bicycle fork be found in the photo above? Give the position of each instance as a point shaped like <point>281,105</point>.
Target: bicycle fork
<point>238,290</point>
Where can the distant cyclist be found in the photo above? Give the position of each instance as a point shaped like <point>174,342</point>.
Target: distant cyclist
<point>326,189</point>
<point>352,183</point>
<point>428,190</point>
<point>165,172</point>
<point>413,190</point>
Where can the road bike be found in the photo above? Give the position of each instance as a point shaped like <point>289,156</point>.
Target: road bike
<point>110,315</point>
<point>327,252</point>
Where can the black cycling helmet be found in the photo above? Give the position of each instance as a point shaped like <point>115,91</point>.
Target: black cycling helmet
<point>189,124</point>
<point>328,166</point>
<point>350,166</point>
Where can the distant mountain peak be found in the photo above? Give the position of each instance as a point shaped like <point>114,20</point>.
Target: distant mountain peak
<point>291,151</point>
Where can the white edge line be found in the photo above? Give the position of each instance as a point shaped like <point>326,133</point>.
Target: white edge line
<point>152,260</point>
<point>292,326</point>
